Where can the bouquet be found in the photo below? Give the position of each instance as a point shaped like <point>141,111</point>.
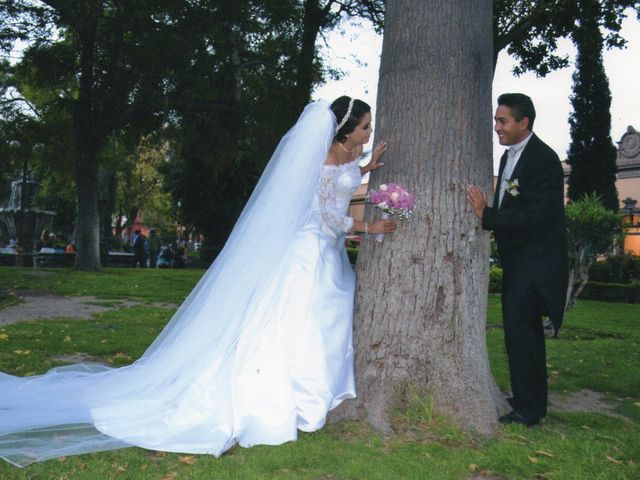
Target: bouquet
<point>394,200</point>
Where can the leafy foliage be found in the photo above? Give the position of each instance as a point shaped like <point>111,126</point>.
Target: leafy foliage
<point>105,66</point>
<point>219,81</point>
<point>530,29</point>
<point>591,231</point>
<point>139,186</point>
<point>616,269</point>
<point>254,83</point>
<point>592,155</point>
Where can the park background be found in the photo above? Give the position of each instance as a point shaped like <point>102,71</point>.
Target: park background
<point>188,169</point>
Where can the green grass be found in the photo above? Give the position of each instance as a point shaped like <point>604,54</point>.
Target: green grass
<point>165,285</point>
<point>116,337</point>
<point>599,349</point>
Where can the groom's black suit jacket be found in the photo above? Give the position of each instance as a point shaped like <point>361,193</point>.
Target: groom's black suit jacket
<point>530,228</point>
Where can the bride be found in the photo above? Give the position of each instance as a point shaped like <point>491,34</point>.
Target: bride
<point>260,349</point>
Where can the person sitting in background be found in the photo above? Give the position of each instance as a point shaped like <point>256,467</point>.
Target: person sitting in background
<point>179,257</point>
<point>46,242</point>
<point>165,259</point>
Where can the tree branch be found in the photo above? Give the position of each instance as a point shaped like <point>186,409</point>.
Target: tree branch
<point>66,11</point>
<point>520,29</point>
<point>31,106</point>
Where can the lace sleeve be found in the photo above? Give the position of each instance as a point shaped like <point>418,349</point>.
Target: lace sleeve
<point>326,193</point>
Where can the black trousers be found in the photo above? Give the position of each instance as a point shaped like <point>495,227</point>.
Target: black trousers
<point>522,308</point>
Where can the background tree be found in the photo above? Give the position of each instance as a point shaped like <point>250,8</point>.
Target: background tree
<point>319,16</point>
<point>139,187</point>
<point>26,115</point>
<point>107,63</point>
<point>252,85</point>
<point>592,155</point>
<point>592,229</point>
<point>421,297</point>
<point>232,88</point>
<point>529,29</point>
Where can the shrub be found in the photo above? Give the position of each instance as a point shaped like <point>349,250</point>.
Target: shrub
<point>612,292</point>
<point>600,272</point>
<point>616,269</point>
<point>591,231</point>
<point>495,279</point>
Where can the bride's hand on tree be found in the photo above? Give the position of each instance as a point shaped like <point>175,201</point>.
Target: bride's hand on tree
<point>382,226</point>
<point>375,162</point>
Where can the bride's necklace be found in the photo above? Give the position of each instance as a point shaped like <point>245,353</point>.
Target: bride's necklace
<point>342,147</point>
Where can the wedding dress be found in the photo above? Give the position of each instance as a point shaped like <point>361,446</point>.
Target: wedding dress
<point>260,349</point>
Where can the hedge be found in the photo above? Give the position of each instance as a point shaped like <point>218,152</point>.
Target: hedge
<point>616,269</point>
<point>612,292</point>
<point>606,292</point>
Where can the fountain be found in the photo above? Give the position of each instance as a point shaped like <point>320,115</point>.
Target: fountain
<point>20,220</point>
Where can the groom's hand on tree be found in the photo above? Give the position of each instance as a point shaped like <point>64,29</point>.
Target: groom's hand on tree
<point>477,200</point>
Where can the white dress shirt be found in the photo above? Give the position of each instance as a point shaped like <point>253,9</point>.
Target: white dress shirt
<point>513,155</point>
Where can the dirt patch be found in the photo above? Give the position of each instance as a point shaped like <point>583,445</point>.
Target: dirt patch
<point>38,273</point>
<point>484,477</point>
<point>44,305</point>
<point>584,401</point>
<point>72,358</point>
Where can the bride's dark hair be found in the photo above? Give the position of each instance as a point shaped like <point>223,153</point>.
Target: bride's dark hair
<point>339,108</point>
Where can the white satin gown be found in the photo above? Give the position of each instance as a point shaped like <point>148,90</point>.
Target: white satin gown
<point>280,369</point>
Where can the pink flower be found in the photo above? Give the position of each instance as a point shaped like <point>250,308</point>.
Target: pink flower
<point>392,198</point>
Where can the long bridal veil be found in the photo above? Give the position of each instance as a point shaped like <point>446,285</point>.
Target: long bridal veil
<point>178,395</point>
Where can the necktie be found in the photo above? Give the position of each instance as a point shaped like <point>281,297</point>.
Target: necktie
<point>506,173</point>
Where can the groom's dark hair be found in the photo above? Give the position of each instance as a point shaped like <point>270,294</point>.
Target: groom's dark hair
<point>521,106</point>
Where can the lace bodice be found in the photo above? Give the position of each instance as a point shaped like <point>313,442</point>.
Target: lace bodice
<point>333,194</point>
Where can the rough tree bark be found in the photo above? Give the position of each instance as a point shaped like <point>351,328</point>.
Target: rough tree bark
<point>87,143</point>
<point>422,293</point>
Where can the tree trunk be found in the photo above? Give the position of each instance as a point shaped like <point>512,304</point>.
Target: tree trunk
<point>422,293</point>
<point>88,251</point>
<point>578,275</point>
<point>311,25</point>
<point>87,142</point>
<point>107,185</point>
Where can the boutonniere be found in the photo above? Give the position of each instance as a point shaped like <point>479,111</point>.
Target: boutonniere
<point>513,187</point>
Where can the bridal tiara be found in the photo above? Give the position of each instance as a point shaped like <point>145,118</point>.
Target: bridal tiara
<point>346,116</point>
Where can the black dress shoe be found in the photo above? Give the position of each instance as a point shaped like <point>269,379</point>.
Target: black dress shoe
<point>516,417</point>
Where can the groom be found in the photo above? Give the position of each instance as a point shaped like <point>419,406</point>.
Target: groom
<point>527,218</point>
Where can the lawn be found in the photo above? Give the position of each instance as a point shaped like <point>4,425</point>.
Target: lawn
<point>599,350</point>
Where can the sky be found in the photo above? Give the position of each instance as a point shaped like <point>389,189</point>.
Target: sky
<point>355,50</point>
